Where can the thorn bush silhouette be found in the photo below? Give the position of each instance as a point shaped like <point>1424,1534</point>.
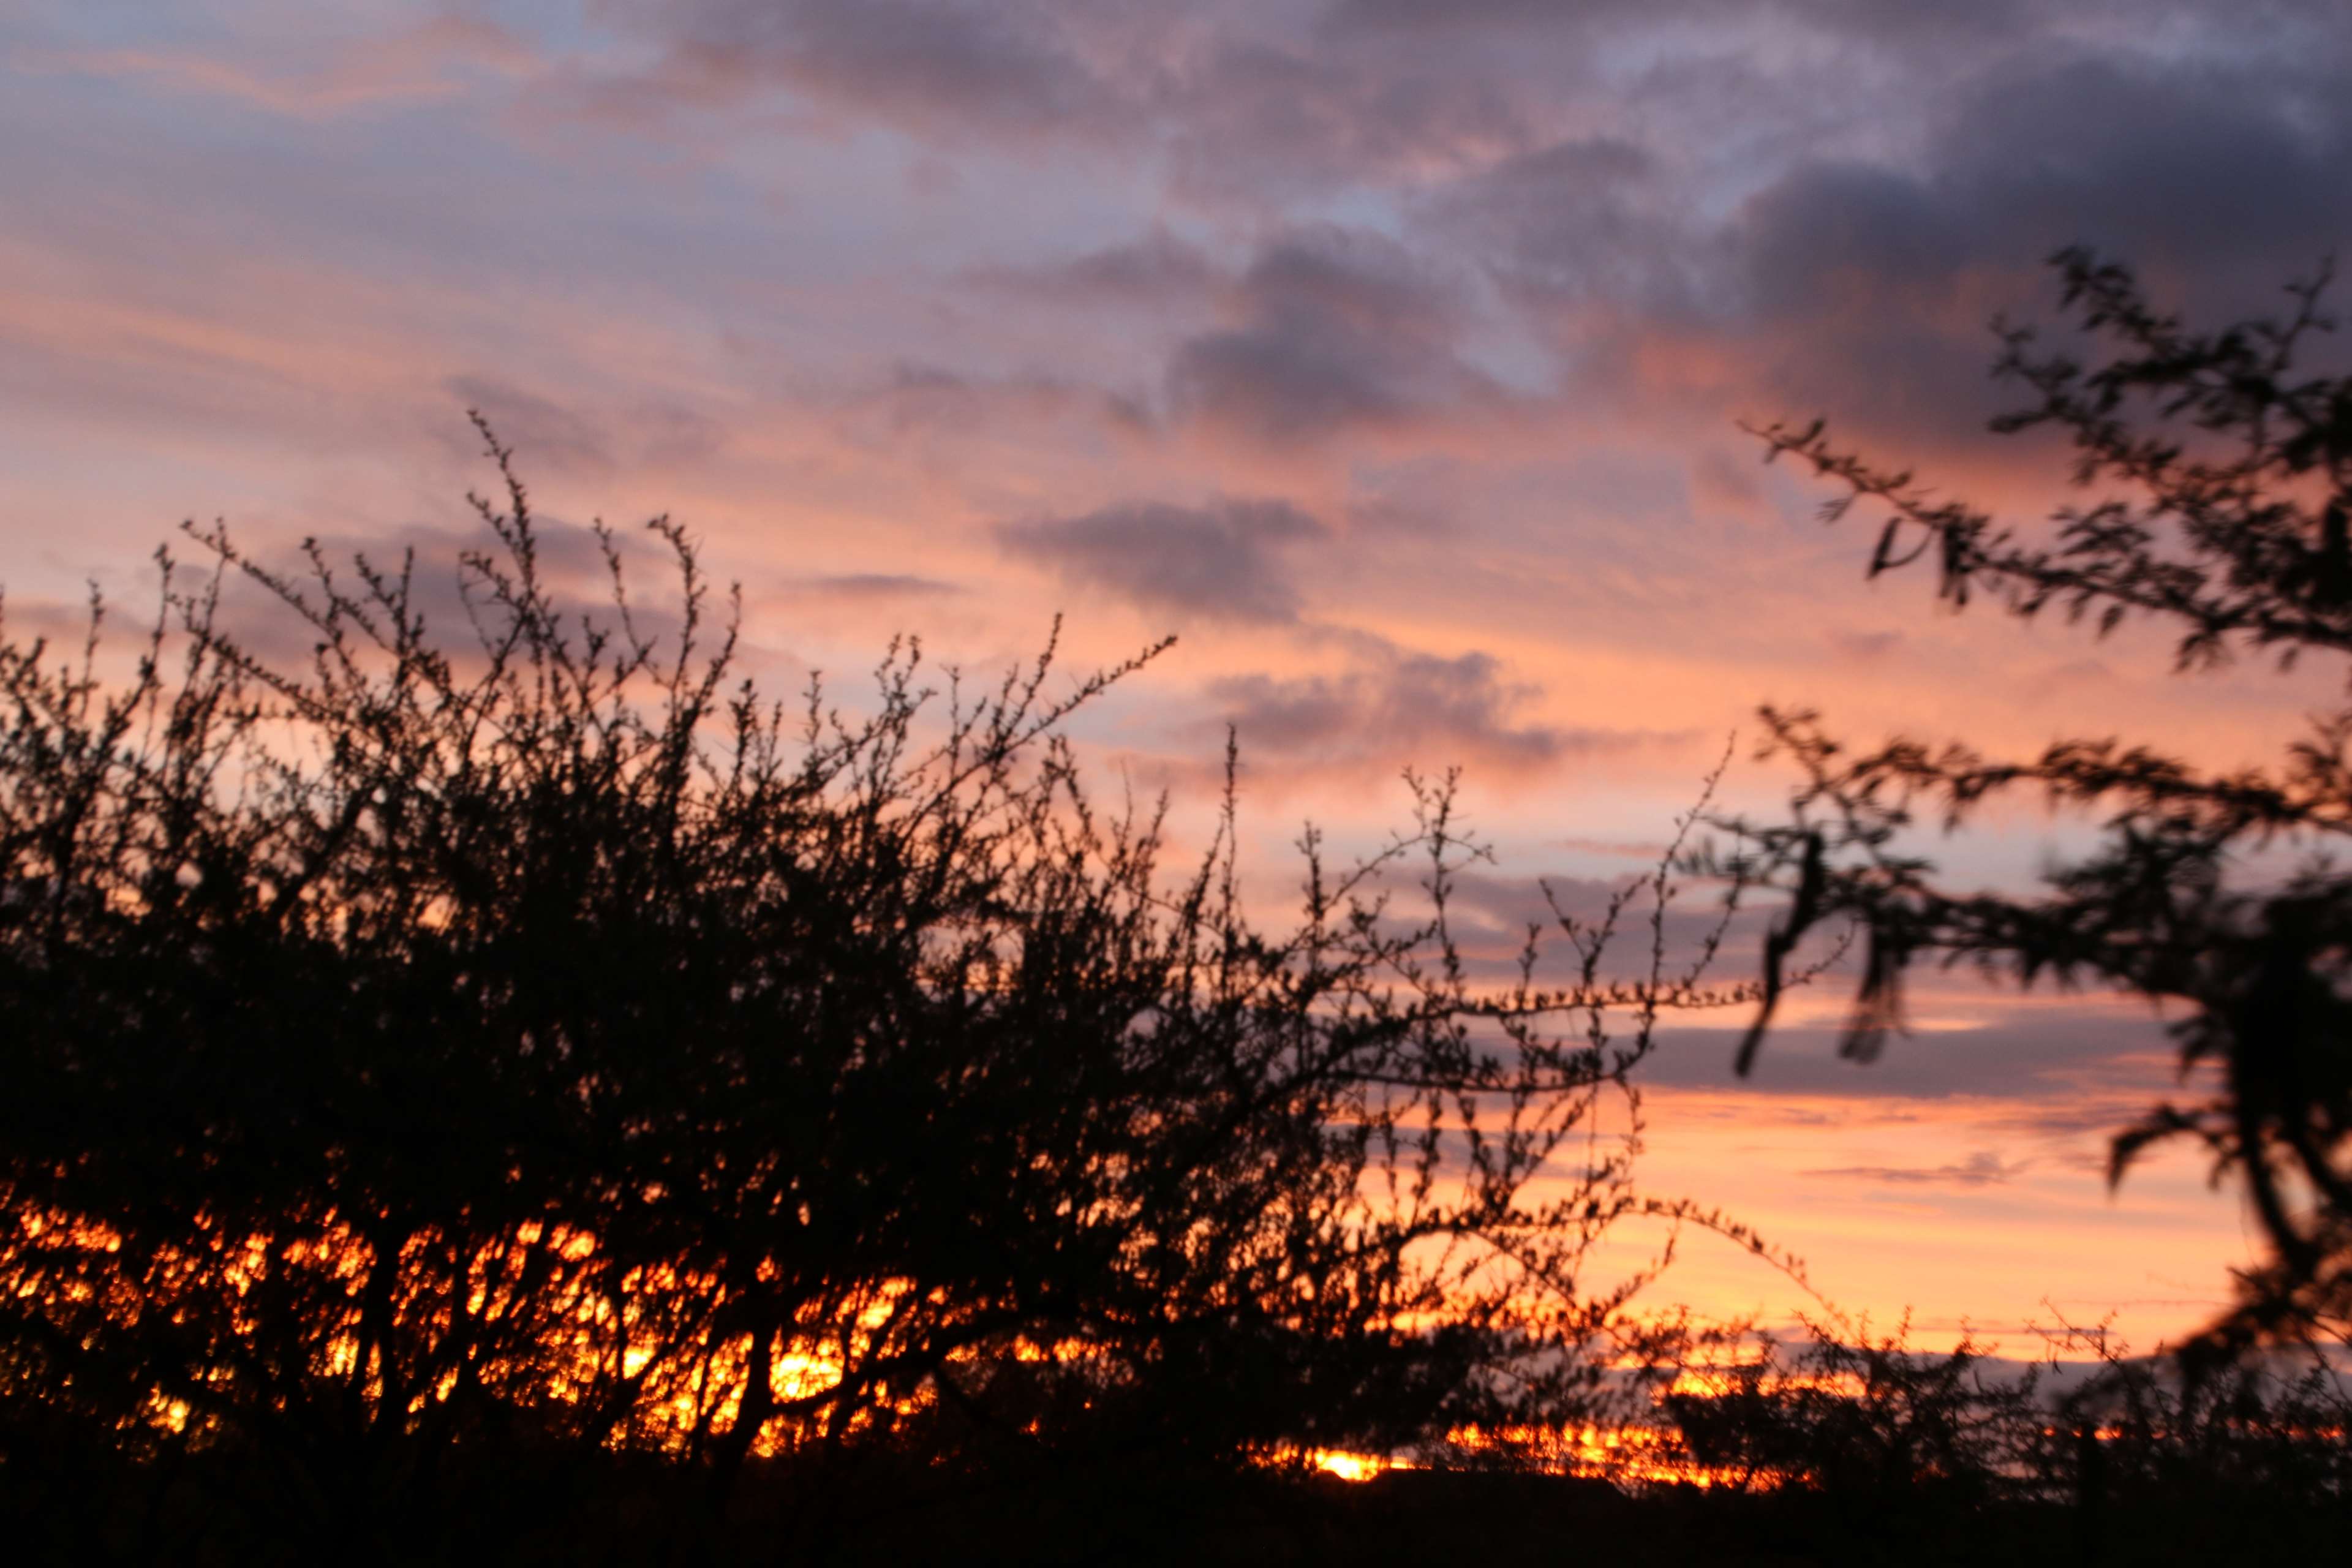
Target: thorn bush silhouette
<point>1851,1446</point>
<point>443,1072</point>
<point>2217,475</point>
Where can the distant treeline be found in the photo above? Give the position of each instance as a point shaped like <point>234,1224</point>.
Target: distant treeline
<point>1835,1454</point>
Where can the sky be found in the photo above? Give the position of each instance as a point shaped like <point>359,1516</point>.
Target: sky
<point>1392,356</point>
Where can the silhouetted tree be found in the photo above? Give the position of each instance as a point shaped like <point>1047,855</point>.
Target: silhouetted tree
<point>1853,1447</point>
<point>1868,1419</point>
<point>2220,473</point>
<point>436,1069</point>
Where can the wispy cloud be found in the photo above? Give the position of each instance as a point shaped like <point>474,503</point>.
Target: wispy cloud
<point>1396,706</point>
<point>429,60</point>
<point>1983,1169</point>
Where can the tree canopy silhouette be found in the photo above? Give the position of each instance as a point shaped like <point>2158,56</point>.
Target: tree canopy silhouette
<point>2217,468</point>
<point>429,1057</point>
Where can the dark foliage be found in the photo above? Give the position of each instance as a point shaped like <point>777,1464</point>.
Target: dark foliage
<point>2217,473</point>
<point>529,1095</point>
<point>1871,1422</point>
<point>1852,1447</point>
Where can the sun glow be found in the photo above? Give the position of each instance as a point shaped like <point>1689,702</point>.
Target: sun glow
<point>605,1323</point>
<point>1350,1467</point>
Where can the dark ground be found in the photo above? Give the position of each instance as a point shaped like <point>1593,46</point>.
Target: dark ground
<point>633,1513</point>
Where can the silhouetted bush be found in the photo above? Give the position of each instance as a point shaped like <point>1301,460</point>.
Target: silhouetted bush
<point>1848,1446</point>
<point>2219,480</point>
<point>504,1093</point>
<point>1870,1421</point>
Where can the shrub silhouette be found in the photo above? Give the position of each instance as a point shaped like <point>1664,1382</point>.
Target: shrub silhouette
<point>442,1071</point>
<point>1853,1447</point>
<point>1871,1420</point>
<point>2221,480</point>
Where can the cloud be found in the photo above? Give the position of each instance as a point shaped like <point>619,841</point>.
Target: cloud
<point>871,586</point>
<point>1338,331</point>
<point>1491,911</point>
<point>446,593</point>
<point>66,625</point>
<point>1826,231</point>
<point>1266,114</point>
<point>544,432</point>
<point>1865,647</point>
<point>1863,287</point>
<point>2164,160</point>
<point>2069,1065</point>
<point>1982,1169</point>
<point>919,398</point>
<point>2175,160</point>
<point>1157,270</point>
<point>1243,104</point>
<point>537,428</point>
<point>1227,561</point>
<point>1531,16</point>
<point>1588,217</point>
<point>429,61</point>
<point>1397,705</point>
<point>1007,67</point>
<point>1816,196</point>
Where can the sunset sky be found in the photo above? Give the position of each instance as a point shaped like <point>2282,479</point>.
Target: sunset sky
<point>1389,354</point>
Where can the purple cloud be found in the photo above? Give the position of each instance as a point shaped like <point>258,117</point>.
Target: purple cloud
<point>1227,561</point>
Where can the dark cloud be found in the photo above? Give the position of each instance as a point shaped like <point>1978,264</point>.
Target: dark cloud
<point>1160,269</point>
<point>1591,216</point>
<point>1864,645</point>
<point>1982,1169</point>
<point>1904,18</point>
<point>1258,117</point>
<point>2073,1069</point>
<point>1866,288</point>
<point>930,399</point>
<point>1241,102</point>
<point>1417,17</point>
<point>1005,66</point>
<point>1227,561</point>
<point>1338,331</point>
<point>1830,226</point>
<point>1825,231</point>
<point>1846,206</point>
<point>1400,706</point>
<point>1905,29</point>
<point>1311,94</point>
<point>866,587</point>
<point>2176,161</point>
<point>2163,160</point>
